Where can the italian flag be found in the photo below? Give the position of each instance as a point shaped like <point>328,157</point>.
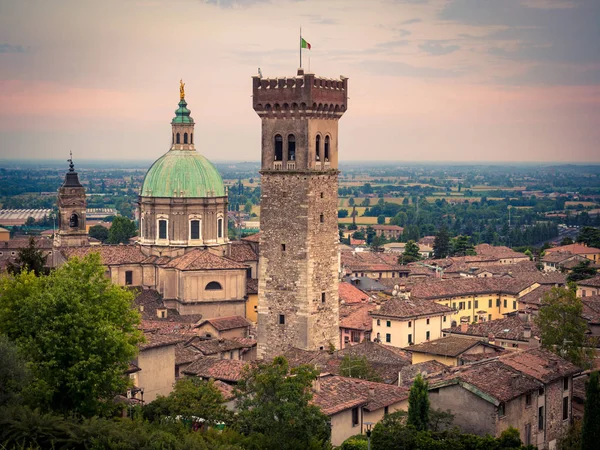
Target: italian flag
<point>304,44</point>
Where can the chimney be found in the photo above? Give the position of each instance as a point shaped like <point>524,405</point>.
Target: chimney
<point>514,381</point>
<point>371,392</point>
<point>316,384</point>
<point>491,338</point>
<point>141,308</point>
<point>527,331</point>
<point>464,324</point>
<point>161,313</point>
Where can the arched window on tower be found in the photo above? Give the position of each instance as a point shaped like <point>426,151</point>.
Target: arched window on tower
<point>185,138</point>
<point>326,155</point>
<point>74,221</point>
<point>220,228</point>
<point>194,229</point>
<point>318,148</point>
<point>191,138</point>
<point>178,139</point>
<point>162,229</point>
<point>291,148</point>
<point>278,148</point>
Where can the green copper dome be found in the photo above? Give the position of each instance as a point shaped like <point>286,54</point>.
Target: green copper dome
<point>183,173</point>
<point>182,114</point>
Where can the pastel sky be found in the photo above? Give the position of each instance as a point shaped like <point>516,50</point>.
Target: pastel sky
<point>429,80</point>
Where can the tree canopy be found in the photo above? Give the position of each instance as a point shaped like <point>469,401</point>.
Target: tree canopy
<point>418,404</point>
<point>29,258</point>
<point>589,236</point>
<point>411,253</point>
<point>358,367</point>
<point>590,434</point>
<point>582,271</point>
<point>78,331</point>
<point>121,230</point>
<point>99,232</point>
<point>562,327</point>
<point>441,244</point>
<point>275,408</point>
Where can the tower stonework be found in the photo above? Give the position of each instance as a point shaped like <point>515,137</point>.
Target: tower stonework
<point>298,273</point>
<point>71,212</point>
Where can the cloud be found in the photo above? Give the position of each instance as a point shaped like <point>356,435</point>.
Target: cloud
<point>392,44</point>
<point>544,75</point>
<point>410,21</point>
<point>9,48</point>
<point>549,4</point>
<point>401,69</point>
<point>320,20</point>
<point>234,3</point>
<point>404,33</point>
<point>438,48</point>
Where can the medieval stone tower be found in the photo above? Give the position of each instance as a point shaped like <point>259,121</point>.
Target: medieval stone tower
<point>71,211</point>
<point>298,274</point>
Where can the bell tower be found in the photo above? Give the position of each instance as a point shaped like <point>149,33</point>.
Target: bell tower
<point>71,211</point>
<point>298,273</point>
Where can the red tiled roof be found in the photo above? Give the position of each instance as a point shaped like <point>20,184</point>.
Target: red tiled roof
<point>534,298</point>
<point>155,340</point>
<point>351,294</point>
<point>557,257</point>
<point>335,394</point>
<point>409,373</point>
<point>413,307</point>
<point>540,364</point>
<point>592,282</point>
<point>214,346</point>
<point>387,228</point>
<point>456,287</point>
<point>591,309</point>
<point>242,251</point>
<point>22,242</point>
<point>512,328</point>
<point>451,346</point>
<point>225,389</point>
<point>227,323</point>
<point>493,378</point>
<point>203,260</point>
<point>109,254</point>
<point>185,355</point>
<point>218,369</point>
<point>356,316</point>
<point>252,238</point>
<point>500,252</point>
<point>252,286</point>
<point>578,249</point>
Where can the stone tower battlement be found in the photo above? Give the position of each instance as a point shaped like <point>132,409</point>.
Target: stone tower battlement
<point>304,95</point>
<point>298,268</point>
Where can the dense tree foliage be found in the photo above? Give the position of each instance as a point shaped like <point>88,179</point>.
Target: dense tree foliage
<point>590,432</point>
<point>589,236</point>
<point>275,408</point>
<point>410,254</point>
<point>582,271</point>
<point>29,258</point>
<point>418,404</point>
<point>358,367</point>
<point>78,331</point>
<point>121,230</point>
<point>562,327</point>
<point>441,244</point>
<point>13,372</point>
<point>191,398</point>
<point>99,232</point>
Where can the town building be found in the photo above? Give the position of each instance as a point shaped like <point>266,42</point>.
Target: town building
<point>298,269</point>
<point>557,261</point>
<point>390,232</point>
<point>72,231</point>
<point>350,403</point>
<point>401,322</point>
<point>453,351</point>
<point>355,323</point>
<point>591,253</point>
<point>589,287</point>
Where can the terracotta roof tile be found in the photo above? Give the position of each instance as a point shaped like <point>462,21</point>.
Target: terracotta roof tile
<point>203,260</point>
<point>456,287</point>
<point>218,369</point>
<point>413,307</point>
<point>387,228</point>
<point>356,316</point>
<point>242,251</point>
<point>409,373</point>
<point>252,238</point>
<point>22,242</point>
<point>185,355</point>
<point>500,252</point>
<point>214,346</point>
<point>225,389</point>
<point>533,299</point>
<point>335,394</point>
<point>351,294</point>
<point>512,327</point>
<point>591,309</point>
<point>592,282</point>
<point>493,378</point>
<point>451,346</point>
<point>227,323</point>
<point>578,249</point>
<point>540,364</point>
<point>109,254</point>
<point>155,340</point>
<point>252,285</point>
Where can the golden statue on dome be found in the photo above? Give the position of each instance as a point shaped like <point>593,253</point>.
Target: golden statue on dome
<point>181,90</point>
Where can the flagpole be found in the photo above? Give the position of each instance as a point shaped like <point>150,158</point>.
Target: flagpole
<point>301,47</point>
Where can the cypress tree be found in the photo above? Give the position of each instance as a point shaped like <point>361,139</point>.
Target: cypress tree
<point>418,404</point>
<point>590,435</point>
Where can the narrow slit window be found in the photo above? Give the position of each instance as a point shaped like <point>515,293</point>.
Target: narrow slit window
<point>185,138</point>
<point>219,228</point>
<point>281,319</point>
<point>318,148</point>
<point>178,139</point>
<point>326,155</point>
<point>195,229</point>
